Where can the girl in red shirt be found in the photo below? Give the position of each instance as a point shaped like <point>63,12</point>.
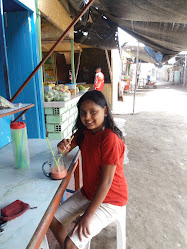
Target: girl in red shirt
<point>103,197</point>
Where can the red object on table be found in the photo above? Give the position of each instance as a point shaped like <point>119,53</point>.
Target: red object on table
<point>13,210</point>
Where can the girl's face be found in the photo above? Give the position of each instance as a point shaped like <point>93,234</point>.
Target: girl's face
<point>92,115</point>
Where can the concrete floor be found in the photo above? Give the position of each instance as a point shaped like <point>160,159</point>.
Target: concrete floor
<point>156,172</point>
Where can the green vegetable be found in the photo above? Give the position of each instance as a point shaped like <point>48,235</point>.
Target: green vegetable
<point>82,88</point>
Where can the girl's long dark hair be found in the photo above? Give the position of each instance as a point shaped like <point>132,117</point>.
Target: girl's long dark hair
<point>98,98</point>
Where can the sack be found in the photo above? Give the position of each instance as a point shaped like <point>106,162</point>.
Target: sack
<point>13,210</point>
<point>4,103</point>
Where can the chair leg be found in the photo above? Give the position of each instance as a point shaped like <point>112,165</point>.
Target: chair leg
<point>121,231</point>
<point>44,244</point>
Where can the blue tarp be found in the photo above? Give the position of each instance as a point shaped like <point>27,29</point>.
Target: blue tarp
<point>157,56</point>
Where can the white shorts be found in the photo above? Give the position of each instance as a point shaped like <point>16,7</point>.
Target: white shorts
<point>76,205</point>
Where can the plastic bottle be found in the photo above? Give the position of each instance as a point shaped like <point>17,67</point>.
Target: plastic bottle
<point>20,145</point>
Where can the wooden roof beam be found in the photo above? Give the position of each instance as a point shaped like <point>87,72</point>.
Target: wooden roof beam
<point>77,46</point>
<point>56,14</point>
<point>59,48</point>
<point>49,41</point>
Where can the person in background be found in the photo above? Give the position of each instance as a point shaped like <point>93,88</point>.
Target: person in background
<point>103,196</point>
<point>99,80</point>
<point>149,77</point>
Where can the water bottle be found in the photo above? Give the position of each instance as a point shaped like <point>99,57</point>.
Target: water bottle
<point>20,145</point>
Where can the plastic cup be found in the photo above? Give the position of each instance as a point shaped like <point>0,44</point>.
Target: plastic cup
<point>52,171</point>
<point>20,145</point>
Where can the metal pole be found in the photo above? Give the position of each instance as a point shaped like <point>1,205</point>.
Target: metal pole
<point>185,69</point>
<point>52,49</point>
<point>137,59</point>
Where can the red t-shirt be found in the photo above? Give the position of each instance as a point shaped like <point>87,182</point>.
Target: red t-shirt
<point>99,150</point>
<point>99,81</point>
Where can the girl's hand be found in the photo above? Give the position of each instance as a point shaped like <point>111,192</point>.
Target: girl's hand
<point>64,146</point>
<point>83,226</point>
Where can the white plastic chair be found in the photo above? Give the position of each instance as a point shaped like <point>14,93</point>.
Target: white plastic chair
<point>121,231</point>
<point>44,244</point>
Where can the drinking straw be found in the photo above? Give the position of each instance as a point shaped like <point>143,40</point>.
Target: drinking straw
<point>15,146</point>
<point>17,137</point>
<point>64,150</point>
<point>56,164</point>
<point>22,148</point>
<point>25,156</point>
<point>56,161</point>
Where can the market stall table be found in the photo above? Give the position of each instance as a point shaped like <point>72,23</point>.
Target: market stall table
<point>32,187</point>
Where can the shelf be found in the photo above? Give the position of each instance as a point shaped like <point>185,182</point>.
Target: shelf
<point>59,104</point>
<point>9,111</point>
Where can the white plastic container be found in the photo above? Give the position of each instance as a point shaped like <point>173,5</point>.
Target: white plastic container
<point>71,86</point>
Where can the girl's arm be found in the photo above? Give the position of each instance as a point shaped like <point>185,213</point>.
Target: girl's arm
<point>65,145</point>
<point>84,221</point>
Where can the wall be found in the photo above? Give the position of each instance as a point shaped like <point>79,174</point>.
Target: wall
<point>21,41</point>
<point>23,56</point>
<point>2,81</point>
<point>107,91</point>
<point>172,73</point>
<point>5,135</point>
<point>91,58</point>
<point>62,68</point>
<point>177,76</point>
<point>163,73</point>
<point>60,120</point>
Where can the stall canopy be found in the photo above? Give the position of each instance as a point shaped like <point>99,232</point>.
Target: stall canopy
<point>161,25</point>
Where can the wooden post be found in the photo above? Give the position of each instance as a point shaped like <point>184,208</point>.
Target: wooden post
<point>111,76</point>
<point>78,64</point>
<point>51,50</point>
<point>72,61</point>
<point>109,66</point>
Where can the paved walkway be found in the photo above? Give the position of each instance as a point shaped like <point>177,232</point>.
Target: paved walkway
<point>157,169</point>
